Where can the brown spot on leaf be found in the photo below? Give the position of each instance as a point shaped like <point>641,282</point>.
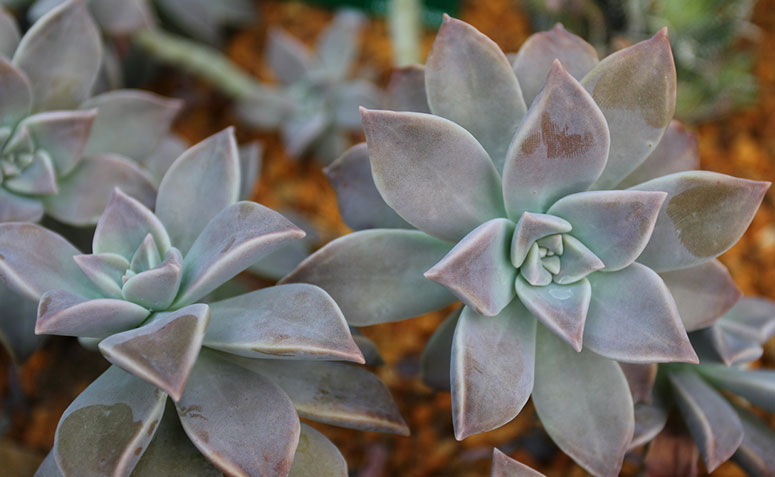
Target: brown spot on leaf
<point>560,143</point>
<point>531,143</point>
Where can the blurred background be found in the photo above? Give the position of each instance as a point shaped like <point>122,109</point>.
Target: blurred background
<point>725,58</point>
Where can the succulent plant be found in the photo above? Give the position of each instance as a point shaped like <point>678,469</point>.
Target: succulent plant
<point>320,103</point>
<point>720,427</point>
<point>505,466</point>
<point>518,218</point>
<point>139,295</point>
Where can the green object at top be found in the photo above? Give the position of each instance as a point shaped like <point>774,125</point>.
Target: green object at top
<point>432,10</point>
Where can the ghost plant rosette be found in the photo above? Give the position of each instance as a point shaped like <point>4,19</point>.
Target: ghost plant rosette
<point>515,221</point>
<point>139,294</point>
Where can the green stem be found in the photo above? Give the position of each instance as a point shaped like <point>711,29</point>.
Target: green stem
<point>404,22</point>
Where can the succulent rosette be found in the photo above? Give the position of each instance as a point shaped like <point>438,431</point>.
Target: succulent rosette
<point>715,426</point>
<point>238,370</point>
<point>317,104</point>
<point>518,218</point>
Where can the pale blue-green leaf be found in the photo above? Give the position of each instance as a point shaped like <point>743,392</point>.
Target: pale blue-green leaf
<point>534,58</point>
<point>367,348</point>
<point>635,89</point>
<point>37,179</point>
<point>755,454</point>
<point>290,60</point>
<point>351,96</point>
<point>715,345</point>
<point>533,270</point>
<point>650,419</point>
<point>250,159</point>
<point>505,466</point>
<point>60,54</point>
<point>48,468</point>
<point>294,321</point>
<point>9,34</point>
<point>266,108</point>
<point>561,308</point>
<point>162,157</point>
<point>406,90</point>
<point>752,318</point>
<point>157,287</point>
<point>331,145</point>
<point>337,46</point>
<point>19,208</point>
<point>15,89</point>
<point>435,358</point>
<point>303,130</point>
<point>584,404</point>
<point>560,148</point>
<point>221,411</point>
<point>705,213</point>
<point>432,172</point>
<point>469,81</point>
<point>282,261</point>
<point>317,456</point>
<point>376,276</point>
<point>17,325</point>
<point>62,134</point>
<point>491,368</point>
<point>200,183</point>
<point>63,313</point>
<point>108,426</point>
<point>122,17</point>
<point>530,228</point>
<point>162,351</point>
<point>577,261</point>
<point>633,318</point>
<point>203,19</point>
<point>755,385</point>
<point>146,256</point>
<point>105,270</point>
<point>640,378</point>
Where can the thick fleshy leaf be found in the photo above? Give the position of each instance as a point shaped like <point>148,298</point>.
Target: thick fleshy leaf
<point>711,420</point>
<point>672,452</point>
<point>755,385</point>
<point>156,288</point>
<point>146,256</point>
<point>62,134</point>
<point>561,308</point>
<point>18,208</point>
<point>266,107</point>
<point>9,34</point>
<point>48,468</point>
<point>250,159</point>
<point>650,419</point>
<point>233,240</point>
<point>469,81</point>
<point>432,172</point>
<point>294,321</point>
<point>635,89</point>
<point>121,17</point>
<point>105,270</point>
<point>63,313</point>
<point>534,58</point>
<point>478,270</point>
<point>168,149</point>
<point>530,228</point>
<point>86,191</point>
<point>435,358</point>
<point>614,225</point>
<point>714,345</point>
<point>360,203</point>
<point>60,54</point>
<point>491,368</point>
<point>39,178</point>
<point>505,466</point>
<point>367,348</point>
<point>633,318</point>
<point>15,90</point>
<point>199,184</point>
<point>124,116</point>
<point>203,19</point>
<point>577,261</point>
<point>751,318</point>
<point>406,90</point>
<point>640,378</point>
<point>703,293</point>
<point>584,404</point>
<point>289,59</point>
<point>303,130</point>
<point>376,276</point>
<point>351,96</point>
<point>316,456</point>
<point>124,225</point>
<point>677,151</point>
<point>108,426</point>
<point>220,412</point>
<point>337,46</point>
<point>755,454</point>
<point>334,393</point>
<point>34,260</point>
<point>704,214</point>
<point>560,148</point>
<point>164,350</point>
<point>17,325</point>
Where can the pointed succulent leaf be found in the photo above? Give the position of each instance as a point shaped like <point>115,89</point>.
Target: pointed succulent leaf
<point>530,228</point>
<point>704,214</point>
<point>250,158</point>
<point>162,157</point>
<point>561,308</point>
<point>755,454</point>
<point>108,426</point>
<point>577,261</point>
<point>677,151</point>
<point>239,236</point>
<point>703,293</point>
<point>63,313</point>
<point>9,34</point>
<point>157,287</point>
<point>755,385</point>
<point>635,89</point>
<point>672,452</point>
<point>17,325</point>
<point>124,225</point>
<point>470,82</point>
<point>711,420</point>
<point>104,270</point>
<point>584,404</point>
<point>614,225</point>
<point>406,90</point>
<point>352,95</point>
<point>316,455</point>
<point>333,393</point>
<point>289,59</point>
<point>560,148</point>
<point>337,46</point>
<point>219,412</point>
<point>60,54</point>
<point>15,91</point>
<point>49,467</point>
<point>200,183</point>
<point>715,345</point>
<point>86,191</point>
<point>18,208</point>
<point>640,327</point>
<point>146,256</point>
<point>505,466</point>
<point>359,201</point>
<point>534,58</point>
<point>294,321</point>
<point>164,350</point>
<point>125,115</point>
<point>491,368</point>
<point>62,134</point>
<point>302,131</point>
<point>752,318</point>
<point>121,17</point>
<point>367,348</point>
<point>640,378</point>
<point>478,270</point>
<point>39,178</point>
<point>267,107</point>
<point>203,19</point>
<point>34,260</point>
<point>376,276</point>
<point>650,419</point>
<point>435,358</point>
